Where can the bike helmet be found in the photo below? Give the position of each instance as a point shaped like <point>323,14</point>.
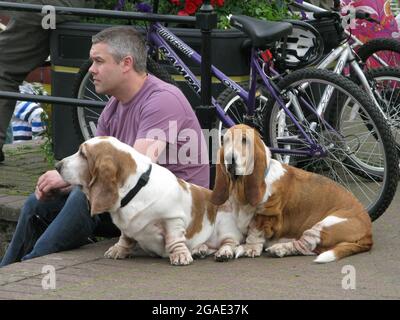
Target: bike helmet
<point>303,47</point>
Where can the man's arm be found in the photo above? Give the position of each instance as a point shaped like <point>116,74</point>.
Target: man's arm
<point>151,148</point>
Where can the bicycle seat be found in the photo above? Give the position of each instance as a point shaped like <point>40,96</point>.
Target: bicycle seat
<point>261,32</point>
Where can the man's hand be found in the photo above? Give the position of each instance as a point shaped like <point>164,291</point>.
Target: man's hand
<point>48,183</point>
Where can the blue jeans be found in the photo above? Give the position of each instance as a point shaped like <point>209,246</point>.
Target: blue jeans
<point>46,227</point>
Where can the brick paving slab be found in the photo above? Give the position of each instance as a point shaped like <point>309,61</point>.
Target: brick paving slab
<point>10,278</point>
<point>9,295</point>
<point>22,166</point>
<point>10,211</point>
<point>23,287</point>
<point>10,199</point>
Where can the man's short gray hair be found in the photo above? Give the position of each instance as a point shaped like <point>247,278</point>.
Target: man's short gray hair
<point>124,41</point>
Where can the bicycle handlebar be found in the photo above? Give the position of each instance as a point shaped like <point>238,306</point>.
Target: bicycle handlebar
<point>365,16</point>
<point>334,14</point>
<point>325,14</point>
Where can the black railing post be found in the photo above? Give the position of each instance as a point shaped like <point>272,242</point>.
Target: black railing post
<point>206,20</point>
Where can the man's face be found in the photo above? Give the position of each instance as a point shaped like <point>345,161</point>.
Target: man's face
<point>107,73</point>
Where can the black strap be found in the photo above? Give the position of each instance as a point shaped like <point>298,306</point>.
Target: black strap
<point>144,178</point>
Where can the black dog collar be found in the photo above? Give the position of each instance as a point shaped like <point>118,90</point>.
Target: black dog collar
<point>144,178</point>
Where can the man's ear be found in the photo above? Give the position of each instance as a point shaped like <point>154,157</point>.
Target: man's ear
<point>103,187</point>
<point>220,191</point>
<point>127,63</point>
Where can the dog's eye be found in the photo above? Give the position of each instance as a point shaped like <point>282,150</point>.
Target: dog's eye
<point>81,154</point>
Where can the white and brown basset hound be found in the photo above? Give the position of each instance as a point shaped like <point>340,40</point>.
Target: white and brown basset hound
<point>167,216</point>
<point>301,212</point>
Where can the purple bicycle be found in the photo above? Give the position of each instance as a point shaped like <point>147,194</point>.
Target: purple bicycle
<point>299,114</point>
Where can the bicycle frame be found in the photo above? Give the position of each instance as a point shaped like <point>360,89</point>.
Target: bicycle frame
<point>160,38</point>
<point>343,55</point>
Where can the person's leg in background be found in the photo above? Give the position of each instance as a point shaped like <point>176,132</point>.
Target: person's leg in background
<point>24,45</point>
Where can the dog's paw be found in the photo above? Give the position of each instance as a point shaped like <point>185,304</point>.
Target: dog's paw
<point>248,250</point>
<point>182,258</point>
<point>225,253</point>
<point>200,252</point>
<point>280,250</point>
<point>118,252</point>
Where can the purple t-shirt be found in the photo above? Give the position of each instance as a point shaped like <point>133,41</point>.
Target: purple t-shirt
<point>161,111</point>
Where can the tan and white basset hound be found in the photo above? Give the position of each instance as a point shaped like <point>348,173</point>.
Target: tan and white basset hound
<point>167,216</point>
<point>301,212</point>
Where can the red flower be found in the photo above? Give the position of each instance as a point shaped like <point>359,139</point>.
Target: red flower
<point>182,13</point>
<point>191,6</point>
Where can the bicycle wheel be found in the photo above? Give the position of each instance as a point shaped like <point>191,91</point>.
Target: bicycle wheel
<point>386,49</point>
<point>236,109</point>
<point>385,84</point>
<point>85,118</point>
<point>354,137</point>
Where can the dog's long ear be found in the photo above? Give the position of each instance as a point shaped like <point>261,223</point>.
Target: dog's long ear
<point>220,191</point>
<point>254,183</point>
<point>103,187</point>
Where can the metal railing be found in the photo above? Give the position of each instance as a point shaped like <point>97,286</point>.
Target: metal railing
<point>88,12</point>
<point>202,22</point>
<point>73,102</point>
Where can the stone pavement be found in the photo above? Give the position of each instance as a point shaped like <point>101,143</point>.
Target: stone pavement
<point>85,274</point>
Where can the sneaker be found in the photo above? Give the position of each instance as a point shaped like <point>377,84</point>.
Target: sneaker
<point>1,155</point>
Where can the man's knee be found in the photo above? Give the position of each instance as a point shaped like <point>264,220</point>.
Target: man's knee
<point>77,196</point>
<point>30,207</point>
<point>77,204</point>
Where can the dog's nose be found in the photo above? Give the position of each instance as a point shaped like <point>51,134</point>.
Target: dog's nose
<point>58,166</point>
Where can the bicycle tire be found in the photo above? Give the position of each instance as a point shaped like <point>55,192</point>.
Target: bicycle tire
<point>381,80</point>
<point>83,88</point>
<point>384,79</point>
<point>382,45</point>
<point>387,187</point>
<point>235,108</point>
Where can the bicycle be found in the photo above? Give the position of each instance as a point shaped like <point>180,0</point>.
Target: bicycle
<point>306,47</point>
<point>321,141</point>
<point>372,66</point>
